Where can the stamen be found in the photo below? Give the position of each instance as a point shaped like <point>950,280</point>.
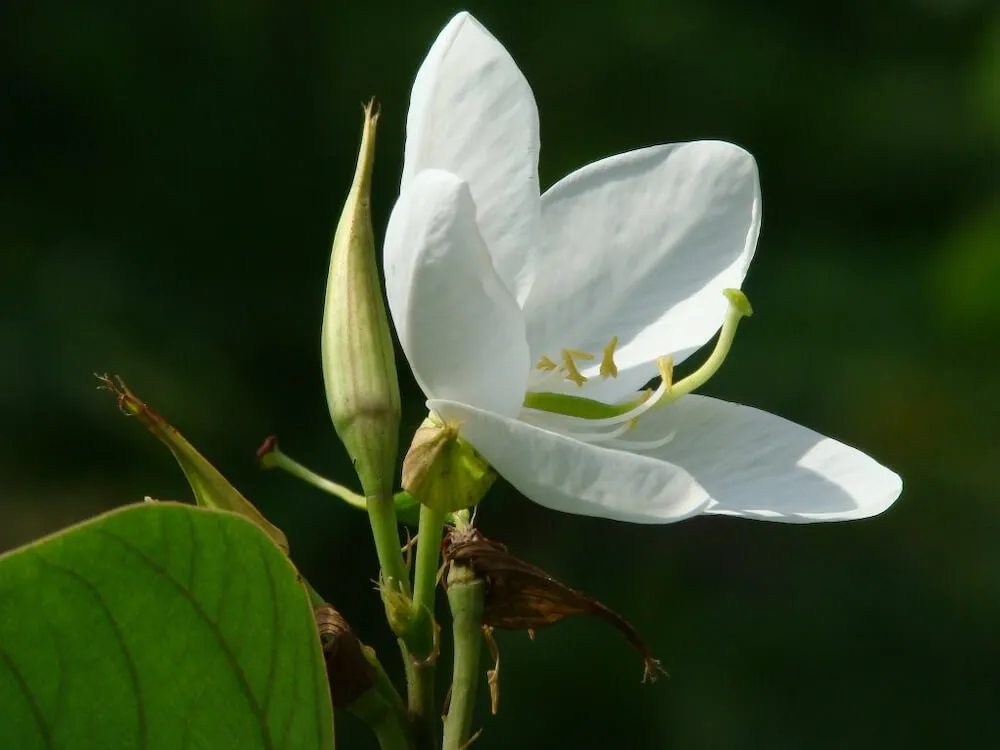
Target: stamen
<point>666,367</point>
<point>644,403</point>
<point>546,364</point>
<point>608,367</point>
<point>598,437</point>
<point>544,380</point>
<point>591,415</point>
<point>598,413</point>
<point>644,445</point>
<point>569,365</point>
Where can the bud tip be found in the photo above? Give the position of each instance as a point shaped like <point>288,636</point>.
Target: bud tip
<point>265,454</point>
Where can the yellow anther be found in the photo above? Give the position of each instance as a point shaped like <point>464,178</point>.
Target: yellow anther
<point>570,368</point>
<point>666,367</point>
<point>578,355</point>
<point>608,367</point>
<point>546,364</point>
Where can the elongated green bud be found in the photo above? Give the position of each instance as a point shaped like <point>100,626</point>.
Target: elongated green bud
<point>359,367</point>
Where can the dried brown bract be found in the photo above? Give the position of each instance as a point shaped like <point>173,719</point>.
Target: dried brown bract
<point>347,670</point>
<point>521,596</point>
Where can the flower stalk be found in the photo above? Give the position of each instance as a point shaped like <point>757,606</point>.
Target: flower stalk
<point>270,456</point>
<point>466,595</point>
<point>424,667</point>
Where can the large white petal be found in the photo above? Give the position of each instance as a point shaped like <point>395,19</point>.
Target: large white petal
<point>641,245</point>
<point>567,475</point>
<point>462,332</point>
<point>758,465</point>
<point>472,113</point>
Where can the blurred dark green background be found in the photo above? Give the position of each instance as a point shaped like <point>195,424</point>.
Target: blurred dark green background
<point>170,175</point>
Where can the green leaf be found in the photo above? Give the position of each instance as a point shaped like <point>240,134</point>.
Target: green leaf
<point>159,626</point>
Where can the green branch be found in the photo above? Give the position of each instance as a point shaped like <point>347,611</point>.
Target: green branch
<point>466,594</point>
<point>423,635</point>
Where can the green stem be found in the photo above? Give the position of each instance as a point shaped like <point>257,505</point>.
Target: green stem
<point>423,710</point>
<point>406,505</point>
<point>420,677</point>
<point>388,725</point>
<point>276,459</point>
<point>382,517</point>
<point>394,576</point>
<point>465,596</point>
<point>383,684</point>
<point>429,534</point>
<point>391,735</point>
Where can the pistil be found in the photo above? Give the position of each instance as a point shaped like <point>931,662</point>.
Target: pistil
<point>591,414</point>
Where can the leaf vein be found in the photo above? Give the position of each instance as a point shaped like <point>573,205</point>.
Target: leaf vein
<point>119,636</point>
<point>213,627</point>
<point>36,710</point>
<point>275,625</point>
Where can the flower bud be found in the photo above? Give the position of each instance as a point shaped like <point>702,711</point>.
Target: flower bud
<point>359,366</point>
<point>400,610</point>
<point>442,470</point>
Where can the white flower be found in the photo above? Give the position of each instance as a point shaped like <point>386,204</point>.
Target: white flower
<point>498,292</point>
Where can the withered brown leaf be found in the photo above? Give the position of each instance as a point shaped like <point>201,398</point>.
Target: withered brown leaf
<point>348,672</point>
<point>521,596</point>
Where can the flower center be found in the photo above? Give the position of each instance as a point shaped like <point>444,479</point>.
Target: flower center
<point>605,423</point>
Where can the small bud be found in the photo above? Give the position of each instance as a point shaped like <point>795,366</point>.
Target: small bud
<point>267,454</point>
<point>400,610</point>
<point>359,366</point>
<point>211,489</point>
<point>442,470</point>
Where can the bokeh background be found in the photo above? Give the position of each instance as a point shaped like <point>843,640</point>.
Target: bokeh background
<point>170,176</point>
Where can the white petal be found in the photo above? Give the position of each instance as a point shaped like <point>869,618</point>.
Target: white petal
<point>641,245</point>
<point>574,477</point>
<point>758,465</point>
<point>472,113</point>
<point>462,332</point>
